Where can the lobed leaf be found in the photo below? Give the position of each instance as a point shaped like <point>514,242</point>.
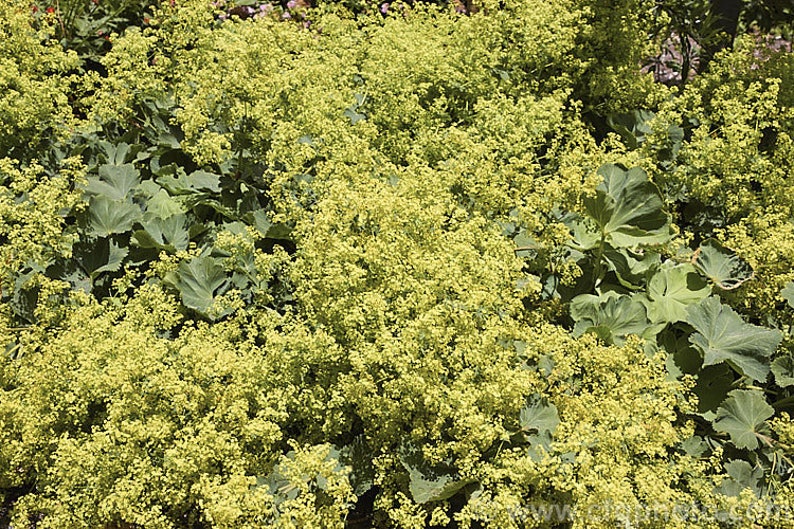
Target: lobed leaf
<point>198,281</point>
<point>628,208</point>
<point>540,416</point>
<point>430,482</point>
<point>164,234</point>
<point>788,293</point>
<point>107,216</point>
<point>721,265</point>
<point>722,336</point>
<point>102,255</point>
<point>671,290</point>
<point>783,369</point>
<point>611,315</point>
<point>195,182</point>
<point>741,475</point>
<point>115,181</point>
<point>743,416</point>
<point>631,268</point>
<point>162,205</point>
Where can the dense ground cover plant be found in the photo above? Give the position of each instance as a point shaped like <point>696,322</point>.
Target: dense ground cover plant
<point>410,266</point>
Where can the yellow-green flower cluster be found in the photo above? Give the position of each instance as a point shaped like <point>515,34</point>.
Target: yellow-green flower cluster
<point>35,77</point>
<point>396,149</point>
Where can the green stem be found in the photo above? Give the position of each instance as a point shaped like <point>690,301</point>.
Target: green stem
<point>599,260</point>
<point>685,53</point>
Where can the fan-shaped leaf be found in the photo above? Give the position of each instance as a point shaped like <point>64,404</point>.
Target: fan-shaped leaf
<point>742,416</point>
<point>164,234</point>
<point>783,369</point>
<point>538,415</point>
<point>721,265</point>
<point>628,208</point>
<point>204,180</point>
<point>694,446</point>
<point>741,476</point>
<point>428,482</point>
<point>115,181</point>
<point>788,293</point>
<point>162,205</point>
<point>682,358</point>
<point>198,281</point>
<point>671,290</point>
<point>631,268</point>
<point>611,315</point>
<point>195,182</point>
<point>712,387</point>
<point>722,336</point>
<point>437,487</point>
<point>116,153</point>
<point>107,216</point>
<point>632,127</point>
<point>102,255</point>
<point>538,420</point>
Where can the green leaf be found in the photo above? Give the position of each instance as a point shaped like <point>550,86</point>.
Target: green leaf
<point>712,387</point>
<point>539,445</point>
<point>788,293</point>
<point>162,205</point>
<point>285,484</point>
<point>741,476</point>
<point>722,336</point>
<point>526,245</point>
<point>147,189</point>
<point>628,208</point>
<point>164,234</point>
<point>354,116</point>
<point>203,180</point>
<point>280,232</point>
<point>611,315</point>
<point>682,358</point>
<point>783,369</point>
<point>585,234</point>
<point>195,182</point>
<point>99,256</point>
<point>742,416</point>
<point>434,487</point>
<point>117,153</point>
<point>358,456</point>
<point>198,281</point>
<point>116,255</point>
<point>538,420</point>
<point>352,112</point>
<point>632,127</point>
<point>107,216</point>
<point>721,265</point>
<point>260,221</point>
<point>115,181</point>
<point>539,416</point>
<point>23,303</point>
<point>694,446</point>
<point>671,290</point>
<point>428,482</point>
<point>631,268</point>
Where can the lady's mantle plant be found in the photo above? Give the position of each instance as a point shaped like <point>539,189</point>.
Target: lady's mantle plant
<point>412,267</point>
